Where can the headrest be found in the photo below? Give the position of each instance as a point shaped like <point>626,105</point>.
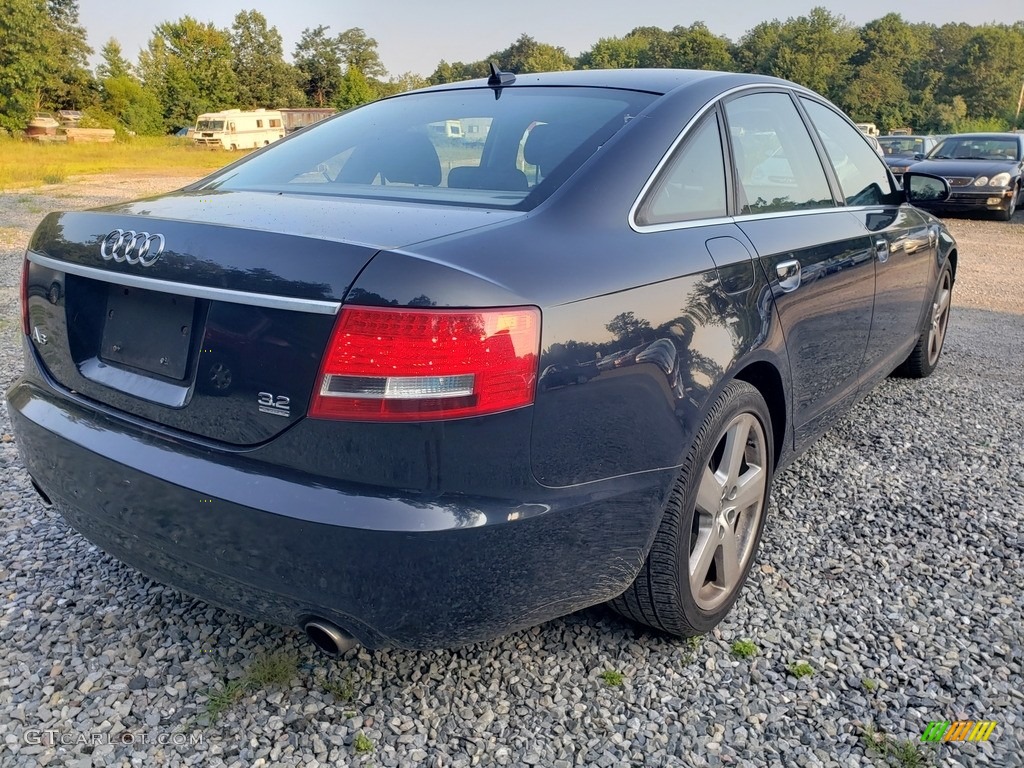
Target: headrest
<point>548,145</point>
<point>411,159</point>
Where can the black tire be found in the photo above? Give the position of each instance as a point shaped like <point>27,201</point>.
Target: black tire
<point>662,595</point>
<point>928,349</point>
<point>1010,210</point>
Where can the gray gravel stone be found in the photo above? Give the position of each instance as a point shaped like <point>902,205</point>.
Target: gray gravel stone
<point>892,553</point>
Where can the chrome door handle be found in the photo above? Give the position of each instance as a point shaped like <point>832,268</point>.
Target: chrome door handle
<point>789,275</point>
<point>882,249</point>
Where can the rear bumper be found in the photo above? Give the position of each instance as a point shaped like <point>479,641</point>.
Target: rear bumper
<point>392,569</point>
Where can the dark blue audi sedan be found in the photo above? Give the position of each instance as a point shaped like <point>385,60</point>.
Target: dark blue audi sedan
<point>477,356</point>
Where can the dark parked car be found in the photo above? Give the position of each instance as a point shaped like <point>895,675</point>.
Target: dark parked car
<point>902,151</point>
<point>307,387</point>
<point>984,171</point>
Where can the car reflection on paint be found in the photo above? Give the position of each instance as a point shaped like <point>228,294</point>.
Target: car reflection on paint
<point>562,375</point>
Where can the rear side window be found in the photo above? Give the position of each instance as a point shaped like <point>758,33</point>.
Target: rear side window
<point>460,146</point>
<point>693,185</point>
<point>777,166</point>
<point>861,172</point>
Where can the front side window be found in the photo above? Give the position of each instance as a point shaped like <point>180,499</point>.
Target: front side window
<point>418,147</point>
<point>777,167</point>
<point>693,185</point>
<point>861,172</point>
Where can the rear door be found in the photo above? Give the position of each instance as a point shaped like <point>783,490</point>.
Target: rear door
<point>817,256</point>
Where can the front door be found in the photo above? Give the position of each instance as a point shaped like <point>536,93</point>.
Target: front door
<point>817,257</point>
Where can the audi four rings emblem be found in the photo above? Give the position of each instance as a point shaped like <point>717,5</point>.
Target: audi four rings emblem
<point>132,247</point>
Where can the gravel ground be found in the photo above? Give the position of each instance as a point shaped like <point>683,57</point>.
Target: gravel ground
<point>891,565</point>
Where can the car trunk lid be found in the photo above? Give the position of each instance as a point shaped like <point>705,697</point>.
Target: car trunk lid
<point>201,313</point>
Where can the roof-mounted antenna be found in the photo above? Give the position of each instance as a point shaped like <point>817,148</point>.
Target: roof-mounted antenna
<point>499,79</point>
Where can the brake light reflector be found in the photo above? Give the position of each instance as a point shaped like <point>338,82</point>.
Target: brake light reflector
<point>387,364</point>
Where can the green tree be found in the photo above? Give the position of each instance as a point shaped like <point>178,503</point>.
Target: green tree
<point>527,55</point>
<point>264,78</point>
<point>24,50</point>
<point>318,59</point>
<point>698,48</point>
<point>615,53</point>
<point>188,67</point>
<point>662,46</point>
<point>879,92</point>
<point>758,49</point>
<point>987,70</point>
<point>813,50</point>
<point>458,71</point>
<point>69,84</point>
<point>360,51</point>
<point>408,81</point>
<point>354,90</point>
<point>134,106</point>
<point>114,63</point>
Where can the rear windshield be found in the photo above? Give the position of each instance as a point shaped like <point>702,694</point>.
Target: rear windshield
<point>462,147</point>
<point>903,145</point>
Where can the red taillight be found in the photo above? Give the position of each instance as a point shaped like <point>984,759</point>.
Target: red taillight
<point>24,298</point>
<point>422,364</point>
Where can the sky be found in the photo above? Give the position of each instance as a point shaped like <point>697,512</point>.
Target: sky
<point>414,35</point>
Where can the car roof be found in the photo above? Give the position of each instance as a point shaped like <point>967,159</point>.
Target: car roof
<point>991,135</point>
<point>659,81</point>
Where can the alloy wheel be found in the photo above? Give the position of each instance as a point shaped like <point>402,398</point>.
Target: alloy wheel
<point>730,502</point>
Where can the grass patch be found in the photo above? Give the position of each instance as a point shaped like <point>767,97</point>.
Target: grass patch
<point>691,646</point>
<point>55,175</point>
<point>275,670</point>
<point>899,753</point>
<point>219,702</point>
<point>800,669</point>
<point>343,689</point>
<point>30,163</point>
<point>362,744</point>
<point>744,649</point>
<point>612,678</point>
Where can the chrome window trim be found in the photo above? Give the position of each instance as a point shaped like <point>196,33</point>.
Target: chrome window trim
<point>314,306</point>
<point>668,226</point>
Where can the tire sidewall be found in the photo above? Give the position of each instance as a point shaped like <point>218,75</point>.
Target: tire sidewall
<point>738,397</point>
<point>926,335</point>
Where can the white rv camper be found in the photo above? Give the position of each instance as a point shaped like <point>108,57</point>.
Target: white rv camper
<point>234,129</point>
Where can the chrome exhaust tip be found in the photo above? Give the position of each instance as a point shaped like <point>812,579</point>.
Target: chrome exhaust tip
<point>328,638</point>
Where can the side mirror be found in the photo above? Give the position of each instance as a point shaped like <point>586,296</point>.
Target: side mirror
<point>925,188</point>
<point>918,156</point>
